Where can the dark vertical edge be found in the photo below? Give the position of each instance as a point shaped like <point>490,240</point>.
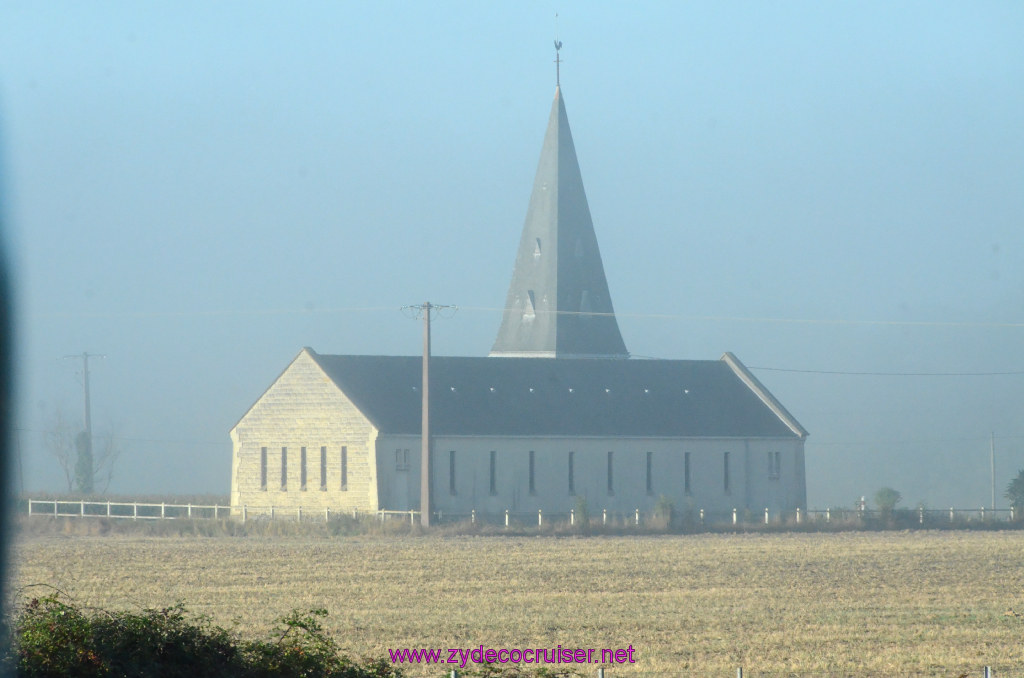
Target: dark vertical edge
<point>6,392</point>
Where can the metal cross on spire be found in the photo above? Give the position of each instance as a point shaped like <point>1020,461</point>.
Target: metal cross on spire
<point>558,64</point>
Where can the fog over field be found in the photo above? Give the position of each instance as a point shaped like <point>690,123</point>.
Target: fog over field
<point>830,191</point>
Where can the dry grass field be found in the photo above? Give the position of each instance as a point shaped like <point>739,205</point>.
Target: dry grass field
<point>850,604</point>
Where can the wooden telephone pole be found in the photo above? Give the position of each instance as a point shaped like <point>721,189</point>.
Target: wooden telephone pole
<point>84,464</point>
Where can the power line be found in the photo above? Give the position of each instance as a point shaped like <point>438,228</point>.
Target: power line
<point>495,309</point>
<point>212,313</point>
<point>892,374</point>
<point>168,441</point>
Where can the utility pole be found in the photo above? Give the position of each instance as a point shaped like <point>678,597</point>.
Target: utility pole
<point>992,467</point>
<point>83,466</point>
<point>425,460</point>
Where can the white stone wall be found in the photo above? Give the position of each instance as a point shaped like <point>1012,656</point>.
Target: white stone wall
<point>304,408</point>
<point>753,483</point>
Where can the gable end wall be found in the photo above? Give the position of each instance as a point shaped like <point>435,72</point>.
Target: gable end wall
<point>304,408</point>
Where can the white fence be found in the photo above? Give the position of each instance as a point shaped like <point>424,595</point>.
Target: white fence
<point>919,515</point>
<point>82,508</point>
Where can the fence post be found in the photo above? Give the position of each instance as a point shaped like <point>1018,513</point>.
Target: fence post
<point>765,515</point>
<point>1011,514</point>
<point>455,673</point>
<point>797,515</point>
<point>472,517</point>
<point>30,507</point>
<point>135,511</point>
<point>739,672</point>
<point>190,509</point>
<point>604,516</point>
<point>950,514</point>
<point>982,514</point>
<point>988,672</point>
<point>506,517</point>
<point>572,516</point>
<point>327,514</point>
<point>245,510</point>
<point>637,521</point>
<point>540,518</point>
<point>298,514</point>
<point>355,512</point>
<point>108,509</point>
<point>920,515</point>
<point>702,517</point>
<point>412,518</point>
<point>828,515</point>
<point>600,672</point>
<point>734,516</point>
<point>54,508</point>
<point>81,508</point>
<point>271,512</point>
<point>162,515</point>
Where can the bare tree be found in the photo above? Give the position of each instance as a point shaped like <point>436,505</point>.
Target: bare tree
<point>105,453</point>
<point>87,468</point>
<point>59,438</point>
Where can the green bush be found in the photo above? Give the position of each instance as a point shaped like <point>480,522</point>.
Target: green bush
<point>581,515</point>
<point>53,638</point>
<point>663,517</point>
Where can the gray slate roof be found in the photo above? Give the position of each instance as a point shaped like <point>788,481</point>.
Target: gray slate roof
<point>552,397</point>
<point>558,280</point>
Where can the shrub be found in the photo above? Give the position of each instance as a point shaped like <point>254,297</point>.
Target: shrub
<point>55,638</point>
<point>886,500</point>
<point>1015,492</point>
<point>582,515</point>
<point>664,513</point>
<point>51,638</point>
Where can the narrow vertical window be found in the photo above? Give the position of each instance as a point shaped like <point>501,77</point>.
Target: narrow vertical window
<point>302,469</point>
<point>725,471</point>
<point>572,475</point>
<point>533,486</point>
<point>263,468</point>
<point>344,468</point>
<point>494,472</point>
<point>686,473</point>
<point>650,479</point>
<point>451,472</point>
<point>611,477</point>
<point>323,468</point>
<point>284,469</point>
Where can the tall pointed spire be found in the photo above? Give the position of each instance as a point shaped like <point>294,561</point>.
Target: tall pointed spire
<point>558,304</point>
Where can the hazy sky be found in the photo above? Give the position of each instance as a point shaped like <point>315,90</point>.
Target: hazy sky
<point>198,190</point>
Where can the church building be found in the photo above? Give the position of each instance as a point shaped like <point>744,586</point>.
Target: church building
<point>558,411</point>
